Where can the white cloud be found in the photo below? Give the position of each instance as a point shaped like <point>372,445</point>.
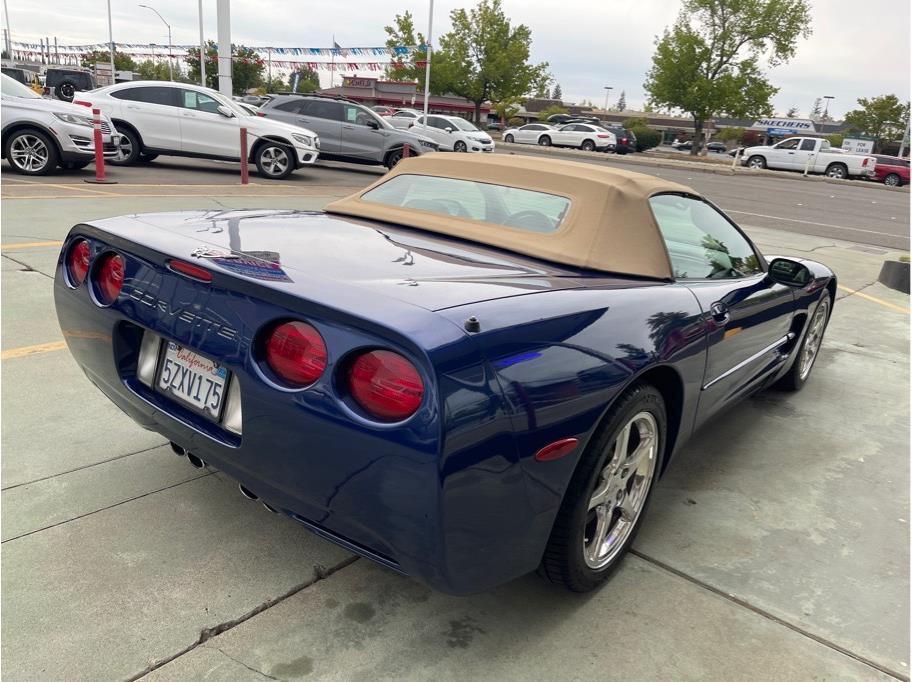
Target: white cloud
<point>855,51</point>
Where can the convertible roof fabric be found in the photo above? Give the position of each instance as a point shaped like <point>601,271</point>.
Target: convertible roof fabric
<point>609,226</point>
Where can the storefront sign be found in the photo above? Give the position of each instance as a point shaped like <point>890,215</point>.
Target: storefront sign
<point>790,125</point>
<point>857,145</point>
<point>358,82</point>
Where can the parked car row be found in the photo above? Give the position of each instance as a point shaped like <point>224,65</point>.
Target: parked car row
<point>586,136</point>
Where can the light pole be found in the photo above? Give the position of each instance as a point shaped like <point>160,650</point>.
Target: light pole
<point>826,107</point>
<point>9,36</point>
<point>170,70</point>
<point>427,65</point>
<point>203,52</point>
<point>111,44</point>
<point>608,89</point>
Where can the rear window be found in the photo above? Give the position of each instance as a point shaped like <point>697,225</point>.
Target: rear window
<point>496,204</point>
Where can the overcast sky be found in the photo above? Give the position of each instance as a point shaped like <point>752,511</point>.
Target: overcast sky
<point>857,49</point>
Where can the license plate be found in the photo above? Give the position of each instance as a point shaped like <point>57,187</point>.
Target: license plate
<point>193,380</point>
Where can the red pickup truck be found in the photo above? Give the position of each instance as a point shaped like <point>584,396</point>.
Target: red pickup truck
<point>891,170</point>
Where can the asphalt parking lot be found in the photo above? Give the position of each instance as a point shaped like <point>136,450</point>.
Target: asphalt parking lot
<point>777,545</point>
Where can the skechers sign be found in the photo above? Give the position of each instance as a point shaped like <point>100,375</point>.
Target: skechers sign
<point>794,125</point>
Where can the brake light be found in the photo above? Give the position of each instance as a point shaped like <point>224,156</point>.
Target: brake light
<point>82,102</point>
<point>191,270</point>
<point>109,277</point>
<point>261,113</point>
<point>623,140</point>
<point>295,351</point>
<point>864,163</point>
<point>77,261</point>
<point>602,135</point>
<point>385,385</point>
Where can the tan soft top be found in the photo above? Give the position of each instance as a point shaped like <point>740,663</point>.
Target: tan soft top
<point>608,227</point>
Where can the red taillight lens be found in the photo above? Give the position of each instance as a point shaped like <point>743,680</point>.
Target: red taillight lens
<point>385,385</point>
<point>296,353</point>
<point>77,261</point>
<point>109,277</point>
<point>260,113</point>
<point>864,163</point>
<point>191,270</point>
<point>601,135</point>
<point>82,102</point>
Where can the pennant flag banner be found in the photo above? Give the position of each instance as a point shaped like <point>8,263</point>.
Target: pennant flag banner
<point>400,51</point>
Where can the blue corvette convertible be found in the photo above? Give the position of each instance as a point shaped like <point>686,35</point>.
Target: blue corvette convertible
<point>473,368</point>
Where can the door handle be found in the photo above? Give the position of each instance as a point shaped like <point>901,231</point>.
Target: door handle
<point>188,114</point>
<point>133,107</point>
<point>349,127</point>
<point>719,312</point>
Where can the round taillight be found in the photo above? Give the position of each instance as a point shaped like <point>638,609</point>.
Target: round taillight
<point>77,261</point>
<point>385,385</point>
<point>296,353</point>
<point>109,277</point>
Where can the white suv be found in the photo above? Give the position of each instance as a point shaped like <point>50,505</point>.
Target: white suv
<point>39,134</point>
<point>179,119</point>
<point>454,133</point>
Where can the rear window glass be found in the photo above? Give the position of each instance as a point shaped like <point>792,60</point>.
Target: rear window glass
<point>497,204</point>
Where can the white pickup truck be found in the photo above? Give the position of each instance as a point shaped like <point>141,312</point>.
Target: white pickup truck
<point>812,154</point>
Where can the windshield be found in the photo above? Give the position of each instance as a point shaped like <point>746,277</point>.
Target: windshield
<point>462,124</point>
<point>13,88</point>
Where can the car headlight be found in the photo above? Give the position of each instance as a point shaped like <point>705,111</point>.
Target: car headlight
<point>304,139</point>
<point>75,119</point>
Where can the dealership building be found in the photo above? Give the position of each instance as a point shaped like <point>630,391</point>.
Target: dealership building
<point>374,91</point>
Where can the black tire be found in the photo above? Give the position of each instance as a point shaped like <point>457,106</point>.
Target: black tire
<point>147,158</point>
<point>587,146</point>
<point>838,171</point>
<point>129,150</point>
<point>508,139</point>
<point>274,160</point>
<point>392,158</point>
<point>65,90</point>
<point>544,141</point>
<point>893,180</point>
<point>31,152</point>
<point>798,374</point>
<point>756,162</point>
<point>74,165</point>
<point>460,147</point>
<point>563,561</point>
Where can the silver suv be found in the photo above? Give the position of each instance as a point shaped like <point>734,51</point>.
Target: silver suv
<point>347,130</point>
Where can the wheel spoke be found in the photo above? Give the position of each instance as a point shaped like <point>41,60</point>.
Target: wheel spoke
<point>602,526</point>
<point>621,445</point>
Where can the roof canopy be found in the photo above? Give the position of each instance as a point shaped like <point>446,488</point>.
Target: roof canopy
<point>609,225</point>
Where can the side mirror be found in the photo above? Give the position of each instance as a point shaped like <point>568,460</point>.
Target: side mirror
<point>789,272</point>
<point>225,111</point>
<point>371,123</point>
<point>449,130</point>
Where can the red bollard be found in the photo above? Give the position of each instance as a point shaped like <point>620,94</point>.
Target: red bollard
<point>100,178</point>
<point>245,179</point>
<point>406,150</point>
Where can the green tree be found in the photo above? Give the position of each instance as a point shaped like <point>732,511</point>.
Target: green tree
<point>508,108</point>
<point>816,110</point>
<point>709,62</point>
<point>122,61</point>
<point>402,34</point>
<point>835,140</point>
<point>246,67</point>
<point>485,58</point>
<point>792,112</point>
<point>634,122</point>
<point>543,91</point>
<point>557,93</point>
<point>884,118</point>
<point>276,84</point>
<point>149,70</point>
<point>729,134</point>
<point>308,82</point>
<point>622,102</point>
<point>550,111</point>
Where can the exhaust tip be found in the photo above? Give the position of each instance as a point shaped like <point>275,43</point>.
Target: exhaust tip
<point>195,461</point>
<point>270,508</point>
<point>246,493</point>
<point>178,450</point>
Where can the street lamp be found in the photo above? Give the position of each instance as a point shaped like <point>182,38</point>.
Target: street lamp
<point>826,107</point>
<point>608,89</point>
<point>170,71</point>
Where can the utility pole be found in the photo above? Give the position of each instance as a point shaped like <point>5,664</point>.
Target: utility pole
<point>608,89</point>
<point>111,41</point>
<point>203,52</point>
<point>9,35</point>
<point>223,8</point>
<point>427,64</point>
<point>902,143</point>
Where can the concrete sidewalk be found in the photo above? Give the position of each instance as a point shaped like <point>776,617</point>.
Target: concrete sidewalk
<point>777,546</point>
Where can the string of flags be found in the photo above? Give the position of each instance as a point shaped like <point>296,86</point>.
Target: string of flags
<point>394,52</point>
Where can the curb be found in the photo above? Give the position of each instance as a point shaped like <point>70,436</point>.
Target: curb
<point>692,166</point>
<point>895,274</point>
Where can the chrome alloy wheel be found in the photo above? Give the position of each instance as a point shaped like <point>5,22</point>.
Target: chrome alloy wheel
<point>30,153</point>
<point>274,160</point>
<point>621,490</point>
<point>124,150</point>
<point>813,339</point>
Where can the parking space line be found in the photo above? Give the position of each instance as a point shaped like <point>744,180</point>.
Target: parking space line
<point>25,351</point>
<point>810,222</point>
<point>874,299</point>
<point>28,245</point>
<point>78,188</point>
